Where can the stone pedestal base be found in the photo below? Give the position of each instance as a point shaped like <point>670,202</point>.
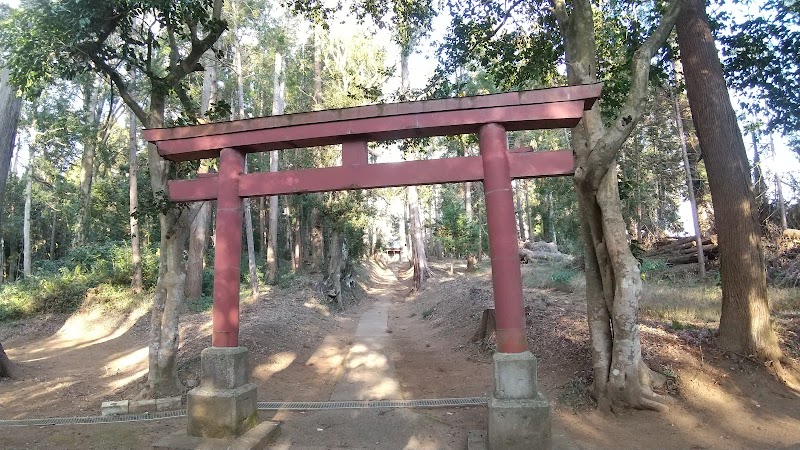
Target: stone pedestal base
<point>519,424</point>
<point>519,416</point>
<point>224,406</point>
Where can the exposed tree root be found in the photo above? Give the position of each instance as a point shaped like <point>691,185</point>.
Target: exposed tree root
<point>634,389</point>
<point>787,375</point>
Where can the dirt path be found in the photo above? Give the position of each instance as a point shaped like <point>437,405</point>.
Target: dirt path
<point>393,344</point>
<point>372,370</point>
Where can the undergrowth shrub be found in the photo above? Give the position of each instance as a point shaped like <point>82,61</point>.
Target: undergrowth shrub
<point>101,272</point>
<point>554,275</point>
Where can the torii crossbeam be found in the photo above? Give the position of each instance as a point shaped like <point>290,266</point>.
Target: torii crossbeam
<point>490,116</point>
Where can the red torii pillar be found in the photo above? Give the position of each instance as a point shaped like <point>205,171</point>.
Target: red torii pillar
<point>519,416</point>
<point>503,246</point>
<point>228,251</point>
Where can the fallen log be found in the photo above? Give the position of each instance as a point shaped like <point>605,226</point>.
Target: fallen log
<point>791,234</point>
<point>673,241</point>
<point>541,246</point>
<point>693,250</point>
<point>678,247</point>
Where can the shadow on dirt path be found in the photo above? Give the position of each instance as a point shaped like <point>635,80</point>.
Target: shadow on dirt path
<point>372,369</point>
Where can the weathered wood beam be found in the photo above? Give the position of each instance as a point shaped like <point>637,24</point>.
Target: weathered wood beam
<point>523,164</point>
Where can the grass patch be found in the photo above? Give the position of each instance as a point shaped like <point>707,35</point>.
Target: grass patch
<point>682,304</point>
<point>551,275</point>
<point>112,298</point>
<point>427,313</point>
<point>199,305</point>
<point>693,303</point>
<point>784,300</point>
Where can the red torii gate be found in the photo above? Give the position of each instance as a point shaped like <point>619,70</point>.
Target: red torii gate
<point>488,115</point>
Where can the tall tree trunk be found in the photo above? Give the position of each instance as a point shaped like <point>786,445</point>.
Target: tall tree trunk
<point>468,201</point>
<point>318,43</point>
<point>26,224</point>
<point>162,378</point>
<point>278,106</point>
<point>317,237</point>
<point>248,215</point>
<point>202,211</point>
<point>317,240</point>
<point>335,255</point>
<point>262,227</point>
<point>759,184</point>
<point>297,250</point>
<point>198,243</point>
<point>421,269</point>
<point>251,251</point>
<point>91,100</point>
<point>53,236</point>
<point>520,212</point>
<point>528,215</point>
<point>10,106</point>
<point>745,326</point>
<point>419,259</point>
<point>7,368</point>
<point>613,282</point>
<point>779,189</point>
<point>551,218</point>
<point>133,208</point>
<point>701,264</point>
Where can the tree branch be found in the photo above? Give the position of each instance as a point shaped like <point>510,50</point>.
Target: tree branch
<point>186,101</point>
<point>560,11</point>
<point>188,64</point>
<point>116,78</point>
<point>605,150</point>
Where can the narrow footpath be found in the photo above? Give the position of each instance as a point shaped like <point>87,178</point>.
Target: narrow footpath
<point>369,373</point>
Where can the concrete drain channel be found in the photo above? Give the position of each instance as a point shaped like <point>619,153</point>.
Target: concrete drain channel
<point>262,406</point>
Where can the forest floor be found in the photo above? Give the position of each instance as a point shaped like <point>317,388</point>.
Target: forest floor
<point>299,348</point>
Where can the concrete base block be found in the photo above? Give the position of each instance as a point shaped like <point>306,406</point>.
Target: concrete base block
<point>223,367</point>
<point>519,416</point>
<point>519,424</point>
<point>224,406</point>
<point>222,413</point>
<point>114,408</point>
<point>514,375</point>
<point>257,438</point>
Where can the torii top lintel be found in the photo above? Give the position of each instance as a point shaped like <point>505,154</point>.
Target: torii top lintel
<point>559,107</point>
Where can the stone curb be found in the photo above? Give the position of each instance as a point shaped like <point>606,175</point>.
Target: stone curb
<point>115,408</point>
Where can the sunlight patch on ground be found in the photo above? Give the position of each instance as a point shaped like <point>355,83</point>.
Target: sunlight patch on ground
<point>276,363</point>
<point>85,329</point>
<point>122,382</point>
<point>419,443</point>
<point>328,358</point>
<point>361,355</point>
<point>133,358</point>
<point>313,304</point>
<point>38,394</point>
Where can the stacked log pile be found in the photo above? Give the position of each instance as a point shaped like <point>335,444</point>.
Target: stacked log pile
<point>541,251</point>
<point>682,250</point>
<point>783,261</point>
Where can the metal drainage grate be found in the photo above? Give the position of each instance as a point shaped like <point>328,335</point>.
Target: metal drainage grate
<point>263,406</point>
<point>368,404</point>
<point>94,419</point>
